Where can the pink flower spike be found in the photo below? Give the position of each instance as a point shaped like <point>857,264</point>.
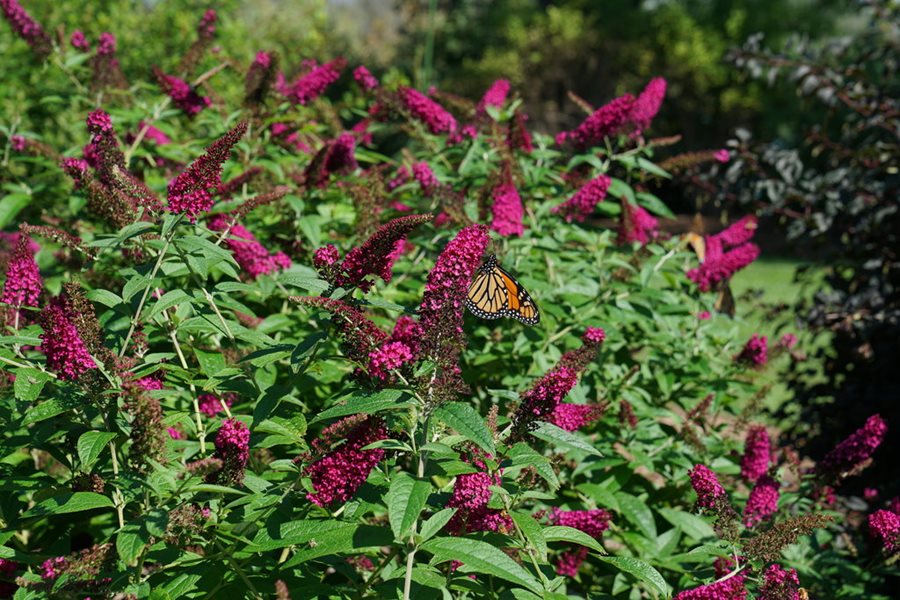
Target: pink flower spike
<point>495,96</point>
<point>67,355</point>
<point>182,94</point>
<point>727,589</point>
<point>507,211</point>
<point>723,156</point>
<point>233,449</point>
<point>856,449</point>
<point>377,254</point>
<point>582,204</point>
<point>884,526</point>
<point>757,449</point>
<point>606,121</point>
<point>755,351</point>
<point>636,225</point>
<point>27,28</point>
<point>364,79</point>
<point>763,501</point>
<point>779,584</point>
<point>647,104</point>
<point>23,278</point>
<point>79,41</point>
<point>707,486</point>
<point>426,110</point>
<point>252,256</point>
<point>337,475</point>
<point>313,84</point>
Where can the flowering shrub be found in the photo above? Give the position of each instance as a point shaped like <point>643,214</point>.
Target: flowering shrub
<point>237,358</point>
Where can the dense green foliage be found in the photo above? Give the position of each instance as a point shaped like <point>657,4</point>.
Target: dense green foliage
<point>113,488</point>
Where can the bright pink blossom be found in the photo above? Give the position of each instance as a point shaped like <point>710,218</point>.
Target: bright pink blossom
<point>67,355</point>
<point>636,224</point>
<point>211,405</point>
<point>707,486</point>
<point>388,357</point>
<point>592,522</point>
<point>755,351</point>
<point>568,562</point>
<point>252,256</point>
<point>313,84</point>
<point>426,178</point>
<point>594,336</point>
<point>647,104</point>
<point>495,96</point>
<point>426,110</point>
<point>606,121</point>
<point>757,449</point>
<point>337,475</point>
<point>788,341</point>
<point>763,501</point>
<point>507,210</point>
<point>183,95</point>
<point>728,589</point>
<point>26,27</point>
<point>721,268</point>
<point>191,192</point>
<point>542,399</point>
<point>723,156</point>
<point>365,79</point>
<point>739,232</point>
<point>573,417</point>
<point>79,41</point>
<point>377,254</point>
<point>155,135</point>
<point>582,204</point>
<point>884,526</point>
<point>23,277</point>
<point>856,449</point>
<point>471,494</point>
<point>779,584</point>
<point>233,449</point>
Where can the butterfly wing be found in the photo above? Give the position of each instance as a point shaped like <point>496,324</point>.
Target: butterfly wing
<point>494,293</point>
<point>698,243</point>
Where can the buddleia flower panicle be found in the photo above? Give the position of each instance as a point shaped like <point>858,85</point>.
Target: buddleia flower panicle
<point>723,156</point>
<point>67,354</point>
<point>183,95</point>
<point>360,336</point>
<point>206,33</point>
<point>337,157</point>
<point>573,417</point>
<point>706,484</point>
<point>79,41</point>
<point>86,569</point>
<point>763,501</point>
<point>738,233</point>
<point>884,527</point>
<point>755,351</point>
<point>856,449</point>
<point>592,522</point>
<point>779,584</point>
<point>253,258</point>
<point>757,450</point>
<point>400,178</point>
<point>636,224</point>
<point>716,269</point>
<point>191,192</point>
<point>443,301</point>
<point>425,177</point>
<point>507,210</point>
<point>422,108</point>
<point>518,137</point>
<point>27,28</point>
<point>23,283</point>
<point>233,449</point>
<point>391,356</point>
<point>211,405</point>
<point>647,104</point>
<point>606,121</point>
<point>148,435</point>
<point>107,72</point>
<point>364,79</point>
<point>377,254</point>
<point>313,83</point>
<point>582,204</point>
<point>471,495</point>
<point>340,471</point>
<point>495,96</point>
<point>260,78</point>
<point>728,589</point>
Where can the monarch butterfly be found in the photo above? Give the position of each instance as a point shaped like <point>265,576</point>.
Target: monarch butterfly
<point>494,293</point>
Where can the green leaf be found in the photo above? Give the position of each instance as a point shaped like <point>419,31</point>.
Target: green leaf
<point>10,206</point>
<point>636,510</point>
<point>210,362</point>
<point>691,525</point>
<point>29,383</point>
<point>365,404</point>
<point>531,529</point>
<point>166,301</point>
<point>522,454</point>
<point>130,541</point>
<point>292,428</point>
<point>641,570</point>
<point>560,437</point>
<point>90,445</point>
<point>466,420</point>
<point>69,503</point>
<point>306,282</point>
<point>654,205</point>
<point>45,410</point>
<point>562,533</point>
<point>435,523</point>
<point>405,500</point>
<point>105,297</point>
<point>652,168</point>
<point>482,557</point>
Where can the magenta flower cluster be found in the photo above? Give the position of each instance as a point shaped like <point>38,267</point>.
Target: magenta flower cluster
<point>337,475</point>
<point>707,486</point>
<point>494,96</point>
<point>507,210</point>
<point>23,283</point>
<point>728,589</point>
<point>233,449</point>
<point>856,449</point>
<point>607,120</point>
<point>573,417</point>
<point>592,522</point>
<point>471,494</point>
<point>636,224</point>
<point>211,405</point>
<point>544,397</point>
<point>757,449</point>
<point>718,264</point>
<point>648,104</point>
<point>388,357</point>
<point>364,79</point>
<point>763,501</point>
<point>79,41</point>
<point>252,256</point>
<point>779,584</point>
<point>26,27</point>
<point>313,84</point>
<point>426,178</point>
<point>191,192</point>
<point>183,95</point>
<point>434,116</point>
<point>582,204</point>
<point>884,526</point>
<point>755,351</point>
<point>67,355</point>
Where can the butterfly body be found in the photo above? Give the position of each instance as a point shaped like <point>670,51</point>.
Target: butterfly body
<point>494,293</point>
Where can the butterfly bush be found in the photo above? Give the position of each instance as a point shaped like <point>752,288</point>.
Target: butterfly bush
<point>249,370</point>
